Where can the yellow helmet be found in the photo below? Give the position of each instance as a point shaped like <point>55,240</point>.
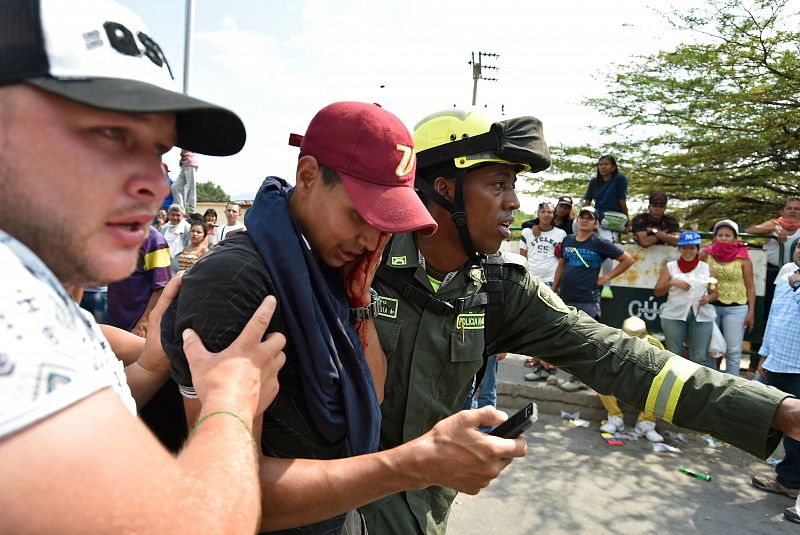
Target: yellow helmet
<point>456,140</point>
<point>452,125</point>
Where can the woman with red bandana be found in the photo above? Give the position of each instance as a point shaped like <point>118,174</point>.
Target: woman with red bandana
<point>690,287</point>
<point>736,303</point>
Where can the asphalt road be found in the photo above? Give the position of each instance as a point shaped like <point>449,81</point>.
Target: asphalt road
<point>572,482</point>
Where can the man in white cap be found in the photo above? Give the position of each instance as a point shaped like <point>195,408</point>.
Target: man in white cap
<point>85,114</point>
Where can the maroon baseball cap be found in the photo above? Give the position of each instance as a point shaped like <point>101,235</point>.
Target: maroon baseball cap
<point>373,152</point>
<point>658,197</point>
<point>565,200</point>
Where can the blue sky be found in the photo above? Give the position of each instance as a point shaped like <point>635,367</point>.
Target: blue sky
<point>277,63</point>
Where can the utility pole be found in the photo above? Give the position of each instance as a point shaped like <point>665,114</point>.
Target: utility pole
<point>477,67</point>
<point>187,44</point>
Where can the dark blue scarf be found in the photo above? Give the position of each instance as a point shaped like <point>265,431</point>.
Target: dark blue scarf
<point>337,383</point>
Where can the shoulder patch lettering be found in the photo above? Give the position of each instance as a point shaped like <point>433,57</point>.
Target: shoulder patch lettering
<point>387,307</point>
<point>398,261</point>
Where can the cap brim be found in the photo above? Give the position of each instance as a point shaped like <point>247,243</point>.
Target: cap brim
<point>392,209</point>
<point>201,127</point>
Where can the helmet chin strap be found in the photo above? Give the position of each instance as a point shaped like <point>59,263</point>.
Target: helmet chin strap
<point>456,209</point>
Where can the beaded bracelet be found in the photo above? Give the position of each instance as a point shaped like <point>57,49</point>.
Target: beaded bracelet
<point>209,415</point>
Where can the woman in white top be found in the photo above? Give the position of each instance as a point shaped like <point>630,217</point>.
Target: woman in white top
<point>689,285</point>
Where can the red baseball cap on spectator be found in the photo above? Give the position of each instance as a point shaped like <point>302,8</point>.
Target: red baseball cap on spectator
<point>658,197</point>
<point>373,152</point>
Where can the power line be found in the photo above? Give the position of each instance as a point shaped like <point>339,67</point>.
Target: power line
<point>477,71</point>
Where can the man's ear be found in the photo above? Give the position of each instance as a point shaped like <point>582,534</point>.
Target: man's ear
<point>446,187</point>
<point>308,173</point>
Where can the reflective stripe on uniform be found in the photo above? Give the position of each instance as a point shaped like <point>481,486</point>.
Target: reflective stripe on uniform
<point>667,386</point>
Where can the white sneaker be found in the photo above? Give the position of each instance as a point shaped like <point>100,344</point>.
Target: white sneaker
<point>538,374</point>
<point>648,430</point>
<point>613,425</point>
<point>572,385</point>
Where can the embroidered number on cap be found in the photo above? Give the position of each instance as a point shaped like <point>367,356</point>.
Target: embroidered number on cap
<point>407,161</point>
<point>123,41</point>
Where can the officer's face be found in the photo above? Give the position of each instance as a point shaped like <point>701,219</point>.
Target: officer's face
<point>490,199</point>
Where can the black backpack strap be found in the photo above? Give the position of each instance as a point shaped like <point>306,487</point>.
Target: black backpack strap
<point>493,271</point>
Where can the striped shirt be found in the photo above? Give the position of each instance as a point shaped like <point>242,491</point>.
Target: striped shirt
<point>781,343</point>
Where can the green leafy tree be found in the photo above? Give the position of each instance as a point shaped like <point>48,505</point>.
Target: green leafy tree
<point>714,123</point>
<point>210,192</point>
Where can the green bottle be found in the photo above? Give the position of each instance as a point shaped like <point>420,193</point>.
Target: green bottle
<point>694,473</point>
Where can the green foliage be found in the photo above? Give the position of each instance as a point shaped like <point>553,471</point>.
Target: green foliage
<point>715,124</point>
<point>210,192</point>
<point>521,216</point>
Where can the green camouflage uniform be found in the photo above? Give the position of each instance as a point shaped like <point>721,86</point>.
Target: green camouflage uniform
<point>432,359</point>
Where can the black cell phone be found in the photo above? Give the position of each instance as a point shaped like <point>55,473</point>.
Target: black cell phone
<point>516,424</point>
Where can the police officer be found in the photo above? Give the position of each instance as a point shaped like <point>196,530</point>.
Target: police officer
<point>446,302</point>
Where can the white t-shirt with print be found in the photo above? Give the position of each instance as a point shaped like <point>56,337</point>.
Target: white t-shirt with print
<point>542,259</point>
<point>52,354</point>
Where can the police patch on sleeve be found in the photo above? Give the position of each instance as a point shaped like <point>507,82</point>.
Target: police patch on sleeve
<point>550,298</point>
<point>387,307</point>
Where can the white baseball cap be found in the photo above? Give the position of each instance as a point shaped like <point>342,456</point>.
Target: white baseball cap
<point>99,53</point>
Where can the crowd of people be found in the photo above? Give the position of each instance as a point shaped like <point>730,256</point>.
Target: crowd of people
<point>707,288</point>
<point>320,357</point>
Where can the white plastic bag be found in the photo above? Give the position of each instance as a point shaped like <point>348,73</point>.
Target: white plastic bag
<point>717,345</point>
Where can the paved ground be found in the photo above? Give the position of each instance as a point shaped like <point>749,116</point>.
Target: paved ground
<point>573,482</point>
